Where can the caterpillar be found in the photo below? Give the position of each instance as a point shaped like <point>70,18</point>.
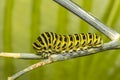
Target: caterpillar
<point>49,43</point>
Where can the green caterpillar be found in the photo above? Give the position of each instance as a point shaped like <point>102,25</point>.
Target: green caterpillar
<point>51,43</point>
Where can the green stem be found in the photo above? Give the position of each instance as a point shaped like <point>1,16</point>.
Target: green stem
<point>7,37</point>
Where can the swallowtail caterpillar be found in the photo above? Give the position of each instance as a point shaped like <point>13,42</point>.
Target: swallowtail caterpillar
<point>49,43</point>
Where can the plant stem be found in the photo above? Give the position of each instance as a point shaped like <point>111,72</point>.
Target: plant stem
<point>77,10</point>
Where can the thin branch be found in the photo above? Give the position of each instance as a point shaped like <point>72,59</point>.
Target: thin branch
<point>15,76</point>
<point>20,55</point>
<point>77,10</point>
<point>32,56</point>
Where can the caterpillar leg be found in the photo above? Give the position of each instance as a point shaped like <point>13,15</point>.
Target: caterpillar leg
<point>44,55</point>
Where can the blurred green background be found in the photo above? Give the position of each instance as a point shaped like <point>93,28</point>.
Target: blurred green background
<point>21,21</point>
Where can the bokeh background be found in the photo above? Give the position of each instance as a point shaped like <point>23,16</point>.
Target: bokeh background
<point>21,21</point>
